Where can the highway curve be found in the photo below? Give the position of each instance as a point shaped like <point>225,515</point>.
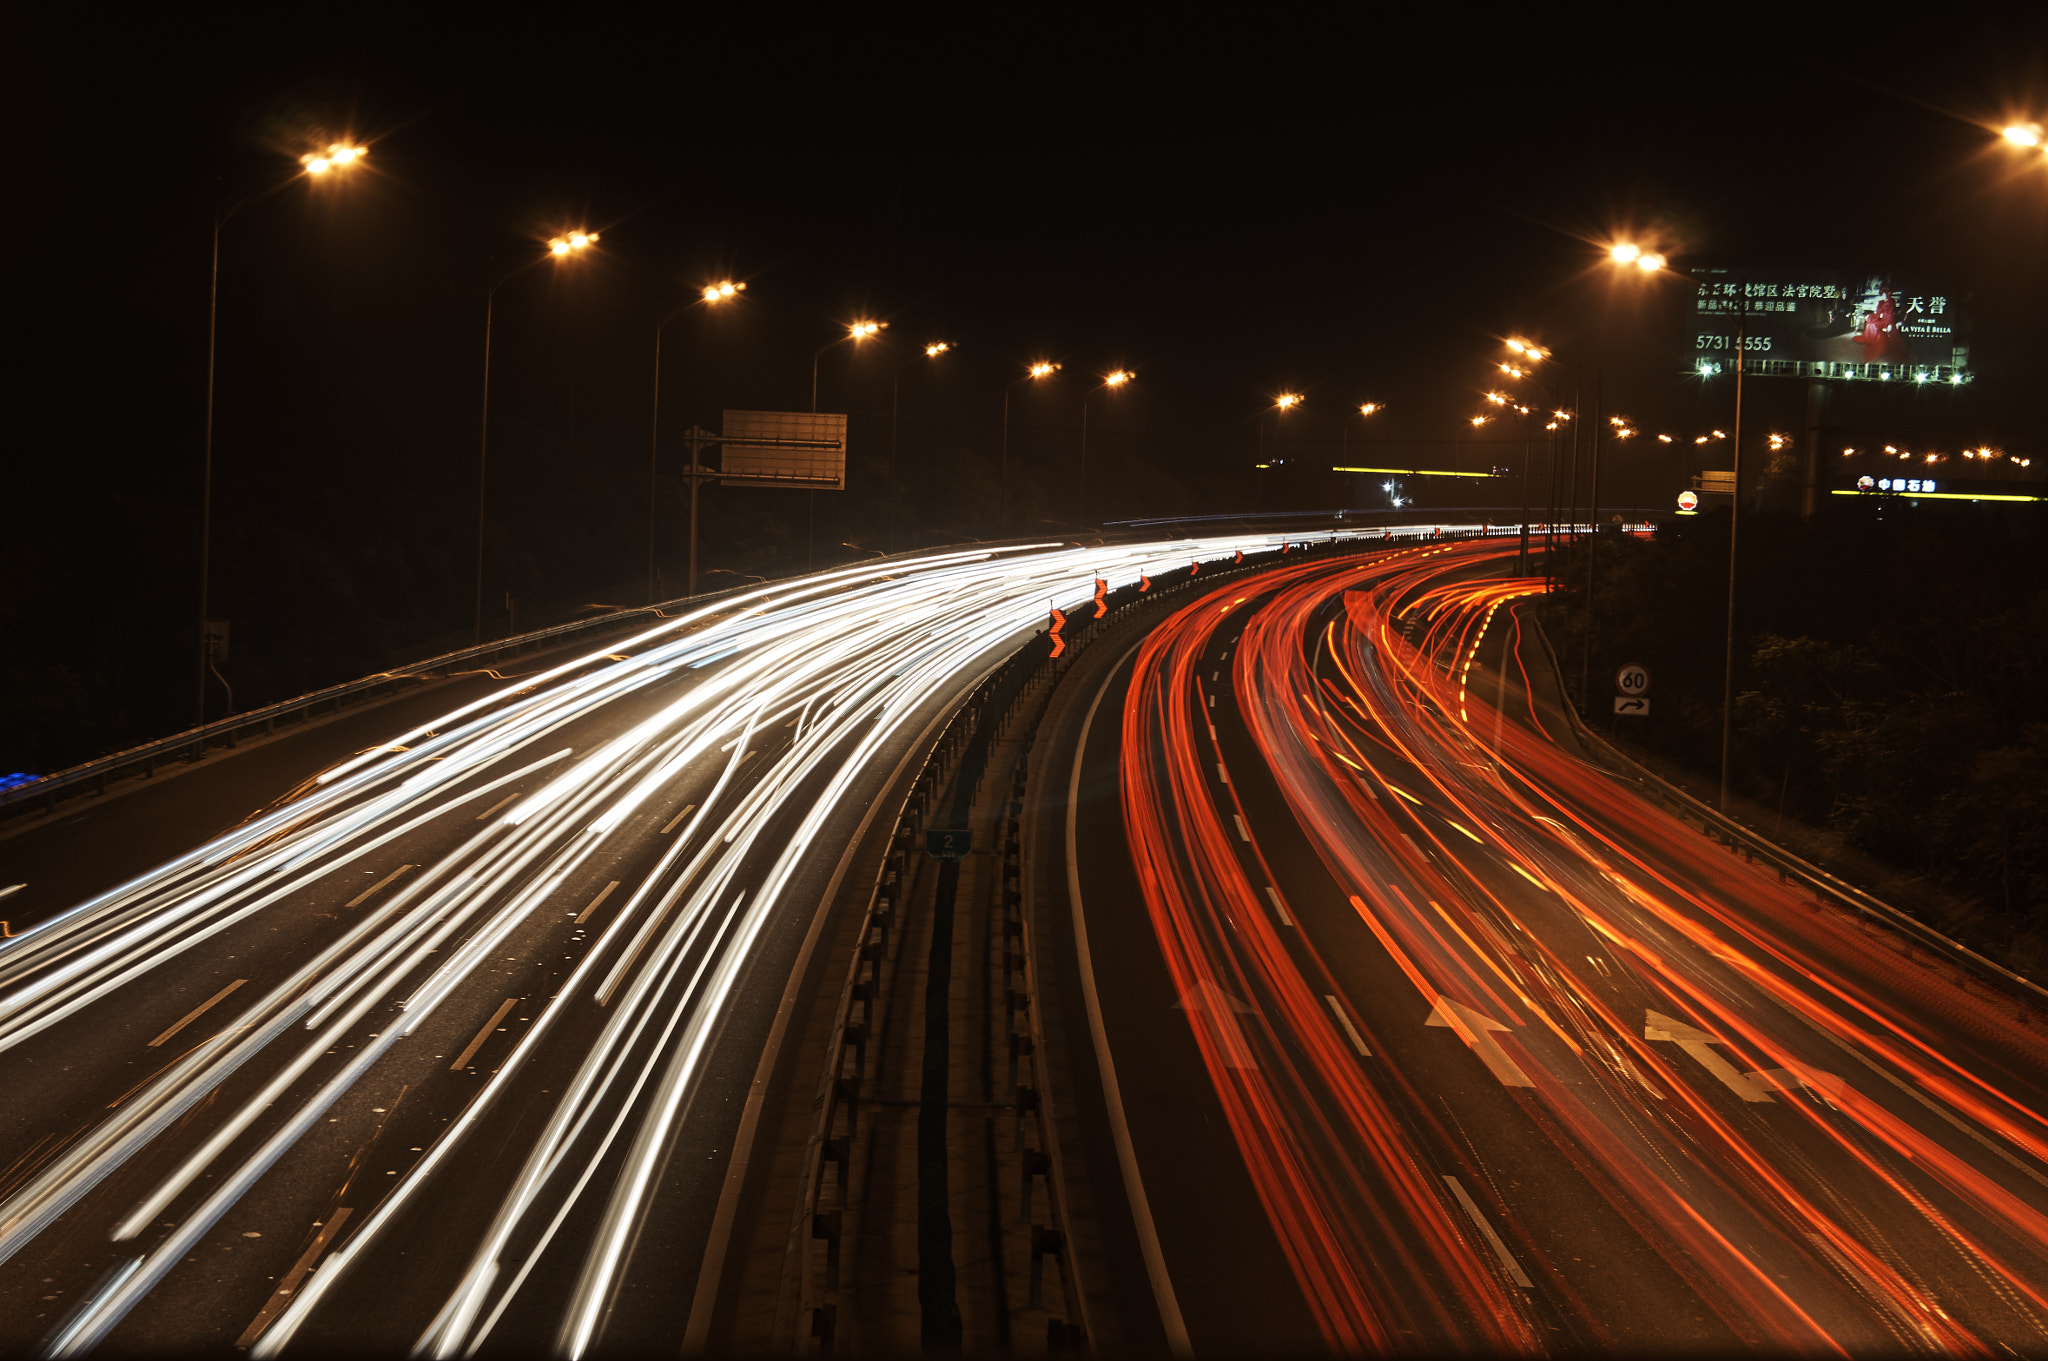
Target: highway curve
<point>1430,1034</point>
<point>452,1046</point>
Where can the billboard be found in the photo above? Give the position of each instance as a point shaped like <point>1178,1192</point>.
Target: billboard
<point>784,449</point>
<point>1828,324</point>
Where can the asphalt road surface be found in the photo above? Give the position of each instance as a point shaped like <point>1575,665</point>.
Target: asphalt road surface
<point>449,1047</point>
<point>1428,1033</point>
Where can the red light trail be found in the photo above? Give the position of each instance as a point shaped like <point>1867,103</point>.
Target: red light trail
<point>1818,1141</point>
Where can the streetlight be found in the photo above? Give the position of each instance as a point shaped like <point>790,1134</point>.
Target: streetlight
<point>338,156</point>
<point>2026,136</point>
<point>932,350</point>
<point>856,332</point>
<point>1111,381</point>
<point>1365,409</point>
<point>1283,403</point>
<point>1532,354</point>
<point>1041,369</point>
<point>713,295</point>
<point>1642,261</point>
<point>559,248</point>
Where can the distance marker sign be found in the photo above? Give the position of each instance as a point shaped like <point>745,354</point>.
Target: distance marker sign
<point>948,843</point>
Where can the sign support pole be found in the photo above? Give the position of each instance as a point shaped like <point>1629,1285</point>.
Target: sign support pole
<point>1734,520</point>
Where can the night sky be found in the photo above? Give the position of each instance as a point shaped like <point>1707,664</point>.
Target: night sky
<point>1229,204</point>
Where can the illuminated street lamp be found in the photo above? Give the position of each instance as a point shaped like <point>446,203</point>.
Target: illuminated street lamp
<point>1111,382</point>
<point>2026,136</point>
<point>856,332</point>
<point>339,157</point>
<point>1366,409</point>
<point>1041,369</point>
<point>560,248</point>
<point>713,295</point>
<point>1533,355</point>
<point>1282,404</point>
<point>932,350</point>
<point>1734,516</point>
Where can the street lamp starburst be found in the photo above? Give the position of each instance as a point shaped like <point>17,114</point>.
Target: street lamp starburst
<point>338,156</point>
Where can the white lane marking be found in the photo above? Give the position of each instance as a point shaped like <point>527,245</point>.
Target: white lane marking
<point>462,1059</point>
<point>1221,773</point>
<point>1357,1040</point>
<point>602,894</point>
<point>712,1271</point>
<point>509,798</point>
<point>1474,1029</point>
<point>1212,701</point>
<point>362,897</point>
<point>1696,1042</point>
<point>194,1014</point>
<point>1238,818</point>
<point>688,809</point>
<point>1112,1094</point>
<point>1500,1249</point>
<point>1279,906</point>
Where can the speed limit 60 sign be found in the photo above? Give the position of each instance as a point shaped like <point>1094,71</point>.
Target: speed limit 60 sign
<point>1633,679</point>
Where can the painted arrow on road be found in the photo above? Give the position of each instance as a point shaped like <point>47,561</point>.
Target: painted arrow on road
<point>1698,1043</point>
<point>1216,1012</point>
<point>1474,1029</point>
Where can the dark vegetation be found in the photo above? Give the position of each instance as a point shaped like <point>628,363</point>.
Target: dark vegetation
<point>1892,672</point>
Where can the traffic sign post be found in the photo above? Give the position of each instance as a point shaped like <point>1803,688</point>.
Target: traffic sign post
<point>1631,684</point>
<point>948,843</point>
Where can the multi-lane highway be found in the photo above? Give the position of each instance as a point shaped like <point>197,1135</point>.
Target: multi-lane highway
<point>1394,1019</point>
<point>1416,1029</point>
<point>454,1043</point>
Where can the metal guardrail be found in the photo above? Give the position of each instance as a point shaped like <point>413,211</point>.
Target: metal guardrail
<point>191,746</point>
<point>140,762</point>
<point>1754,845</point>
<point>824,1211</point>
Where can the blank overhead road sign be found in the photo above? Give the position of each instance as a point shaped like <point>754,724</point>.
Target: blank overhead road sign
<point>784,449</point>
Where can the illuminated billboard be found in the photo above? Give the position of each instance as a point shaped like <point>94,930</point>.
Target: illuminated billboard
<point>1828,324</point>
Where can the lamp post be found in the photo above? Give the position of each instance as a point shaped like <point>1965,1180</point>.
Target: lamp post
<point>1651,263</point>
<point>855,332</point>
<point>339,158</point>
<point>1531,354</point>
<point>560,248</point>
<point>1524,416</point>
<point>713,295</point>
<point>1111,381</point>
<point>932,350</point>
<point>1041,369</point>
<point>1283,404</point>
